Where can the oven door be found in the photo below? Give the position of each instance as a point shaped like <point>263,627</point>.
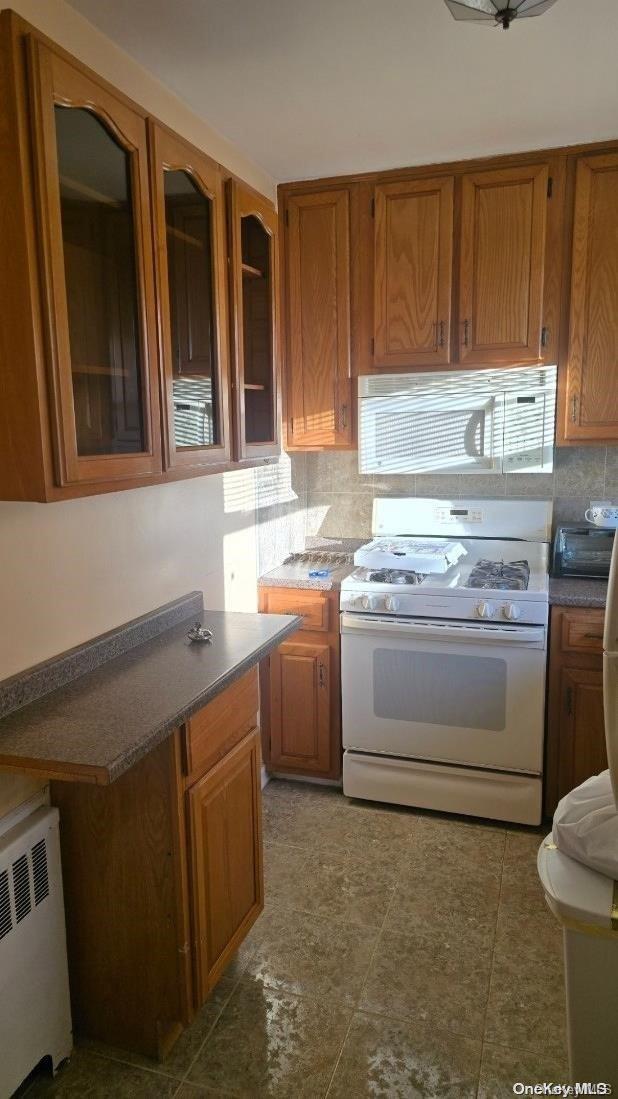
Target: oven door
<point>464,693</point>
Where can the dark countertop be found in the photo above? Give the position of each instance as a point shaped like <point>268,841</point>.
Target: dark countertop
<point>569,591</point>
<point>99,725</point>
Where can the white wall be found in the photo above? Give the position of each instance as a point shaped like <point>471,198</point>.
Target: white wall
<point>71,570</point>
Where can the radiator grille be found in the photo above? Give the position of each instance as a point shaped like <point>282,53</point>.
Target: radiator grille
<point>6,923</point>
<point>21,888</point>
<point>39,871</point>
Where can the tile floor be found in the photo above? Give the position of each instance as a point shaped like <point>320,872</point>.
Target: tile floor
<point>400,954</point>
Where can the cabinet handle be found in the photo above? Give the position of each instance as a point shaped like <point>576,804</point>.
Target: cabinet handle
<point>439,333</point>
<point>544,336</point>
<point>321,675</point>
<point>568,699</point>
<point>343,416</point>
<point>466,327</point>
<point>594,636</point>
<point>574,406</point>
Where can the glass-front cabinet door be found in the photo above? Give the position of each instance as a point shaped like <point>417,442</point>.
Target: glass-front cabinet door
<point>96,239</point>
<point>252,224</point>
<point>189,222</point>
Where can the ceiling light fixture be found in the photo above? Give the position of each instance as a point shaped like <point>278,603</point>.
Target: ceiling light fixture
<point>498,13</point>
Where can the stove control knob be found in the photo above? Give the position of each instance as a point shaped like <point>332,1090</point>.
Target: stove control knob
<point>485,610</point>
<point>367,602</point>
<point>390,603</point>
<point>511,611</point>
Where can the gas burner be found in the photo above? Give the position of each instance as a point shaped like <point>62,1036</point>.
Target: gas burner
<point>394,576</point>
<point>512,576</point>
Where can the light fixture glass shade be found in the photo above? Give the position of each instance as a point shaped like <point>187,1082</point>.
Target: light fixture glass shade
<point>496,13</point>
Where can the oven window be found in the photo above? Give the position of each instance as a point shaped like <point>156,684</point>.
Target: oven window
<point>465,692</point>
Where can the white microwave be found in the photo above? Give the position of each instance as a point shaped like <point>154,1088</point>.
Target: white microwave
<point>481,421</point>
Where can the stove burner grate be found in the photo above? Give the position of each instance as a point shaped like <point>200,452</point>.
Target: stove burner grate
<point>394,576</point>
<point>500,575</point>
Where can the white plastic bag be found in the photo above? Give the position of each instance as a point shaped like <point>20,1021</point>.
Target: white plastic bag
<point>586,825</point>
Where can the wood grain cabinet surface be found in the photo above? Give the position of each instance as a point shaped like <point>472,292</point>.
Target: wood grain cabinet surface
<point>413,272</point>
<point>163,875</point>
<point>300,698</point>
<point>589,409</point>
<point>115,366</point>
<point>503,220</point>
<point>189,223</point>
<point>317,317</point>
<point>575,724</point>
<point>254,308</point>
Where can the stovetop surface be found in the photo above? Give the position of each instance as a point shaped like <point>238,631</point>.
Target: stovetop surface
<point>487,565</point>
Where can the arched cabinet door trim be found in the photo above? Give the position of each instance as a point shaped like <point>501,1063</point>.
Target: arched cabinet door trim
<point>94,229</point>
<point>191,276</point>
<point>254,323</point>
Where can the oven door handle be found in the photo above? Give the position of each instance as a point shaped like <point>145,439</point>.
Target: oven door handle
<point>436,631</point>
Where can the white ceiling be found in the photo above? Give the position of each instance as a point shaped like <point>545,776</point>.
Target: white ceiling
<point>318,87</point>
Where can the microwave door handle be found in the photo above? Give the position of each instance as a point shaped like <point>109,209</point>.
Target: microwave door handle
<point>475,423</point>
<point>435,631</point>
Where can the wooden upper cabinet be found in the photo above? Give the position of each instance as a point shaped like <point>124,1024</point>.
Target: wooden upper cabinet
<point>413,272</point>
<point>254,295</point>
<point>590,405</point>
<point>94,228</point>
<point>503,226</point>
<point>319,397</point>
<point>191,268</point>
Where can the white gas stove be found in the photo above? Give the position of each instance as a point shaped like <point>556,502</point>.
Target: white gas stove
<point>443,657</point>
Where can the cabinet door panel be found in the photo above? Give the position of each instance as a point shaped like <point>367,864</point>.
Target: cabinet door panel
<point>300,700</point>
<point>502,265</point>
<point>189,221</point>
<point>94,224</point>
<point>318,311</point>
<point>413,272</point>
<point>226,859</point>
<point>592,367</point>
<point>254,296</point>
<point>582,737</point>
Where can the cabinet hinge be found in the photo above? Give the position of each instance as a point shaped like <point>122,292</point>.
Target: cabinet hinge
<point>550,187</point>
<point>373,207</point>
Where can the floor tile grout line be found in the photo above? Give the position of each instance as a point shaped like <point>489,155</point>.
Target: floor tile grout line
<point>356,1006</point>
<point>491,965</point>
<point>185,1078</point>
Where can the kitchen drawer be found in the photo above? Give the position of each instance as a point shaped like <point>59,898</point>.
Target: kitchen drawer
<point>311,606</point>
<point>582,631</point>
<point>214,730</point>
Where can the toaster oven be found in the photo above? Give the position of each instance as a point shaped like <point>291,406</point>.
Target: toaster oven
<point>583,551</point>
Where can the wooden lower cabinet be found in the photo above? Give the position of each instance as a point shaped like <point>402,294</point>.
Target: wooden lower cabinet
<point>226,859</point>
<point>163,878</point>
<point>300,697</point>
<point>575,725</point>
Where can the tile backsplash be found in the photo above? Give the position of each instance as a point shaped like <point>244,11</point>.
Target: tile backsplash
<point>339,499</point>
<point>323,494</point>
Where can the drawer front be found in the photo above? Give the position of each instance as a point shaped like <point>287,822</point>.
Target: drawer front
<point>310,606</point>
<point>582,631</point>
<point>214,730</point>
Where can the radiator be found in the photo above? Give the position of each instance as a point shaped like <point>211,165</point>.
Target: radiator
<point>35,1016</point>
